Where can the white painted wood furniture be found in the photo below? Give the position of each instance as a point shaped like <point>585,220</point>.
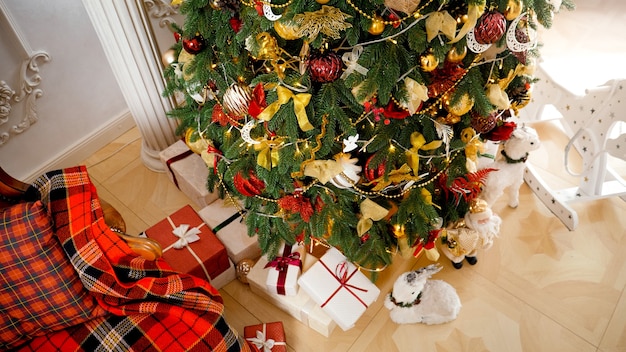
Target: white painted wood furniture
<point>594,123</point>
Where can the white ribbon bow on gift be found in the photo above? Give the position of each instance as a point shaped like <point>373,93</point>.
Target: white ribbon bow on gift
<point>351,59</point>
<point>260,342</point>
<point>185,235</point>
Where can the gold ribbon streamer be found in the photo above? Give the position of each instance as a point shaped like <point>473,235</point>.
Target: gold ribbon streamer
<point>300,101</point>
<point>473,13</point>
<point>418,142</point>
<point>440,21</point>
<point>370,212</point>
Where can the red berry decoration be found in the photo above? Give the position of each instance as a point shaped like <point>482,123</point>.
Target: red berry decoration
<point>325,67</point>
<point>490,28</point>
<point>194,45</point>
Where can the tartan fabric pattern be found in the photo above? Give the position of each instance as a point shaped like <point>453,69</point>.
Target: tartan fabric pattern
<point>39,289</point>
<point>152,307</point>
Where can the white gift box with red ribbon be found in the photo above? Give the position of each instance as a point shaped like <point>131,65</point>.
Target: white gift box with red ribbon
<point>338,286</point>
<point>284,270</point>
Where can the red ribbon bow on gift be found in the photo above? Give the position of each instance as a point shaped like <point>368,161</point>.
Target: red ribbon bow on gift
<point>341,274</point>
<point>281,263</point>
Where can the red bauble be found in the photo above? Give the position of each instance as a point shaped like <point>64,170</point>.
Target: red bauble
<point>372,173</point>
<point>194,45</point>
<point>325,67</point>
<point>490,28</point>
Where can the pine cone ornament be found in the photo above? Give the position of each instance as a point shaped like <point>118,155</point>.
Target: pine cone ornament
<point>484,124</point>
<point>325,67</point>
<point>490,28</point>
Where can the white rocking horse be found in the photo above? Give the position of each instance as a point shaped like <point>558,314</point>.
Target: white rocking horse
<point>594,122</point>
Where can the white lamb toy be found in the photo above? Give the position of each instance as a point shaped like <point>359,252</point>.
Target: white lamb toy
<point>415,299</point>
<point>510,166</point>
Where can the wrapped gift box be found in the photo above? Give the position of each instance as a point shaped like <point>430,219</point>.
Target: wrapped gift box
<point>226,277</point>
<point>284,270</point>
<point>267,336</point>
<point>228,225</point>
<point>188,172</point>
<point>300,306</point>
<point>339,288</point>
<point>200,252</point>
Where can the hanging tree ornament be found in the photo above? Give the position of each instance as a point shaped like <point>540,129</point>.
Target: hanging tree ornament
<point>515,36</point>
<point>428,62</point>
<point>456,55</point>
<point>474,45</point>
<point>325,67</point>
<point>194,45</point>
<point>237,98</point>
<point>377,26</point>
<point>490,28</point>
<point>267,11</point>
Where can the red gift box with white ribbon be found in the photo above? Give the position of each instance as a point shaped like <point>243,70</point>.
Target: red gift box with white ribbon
<point>267,337</point>
<point>189,245</point>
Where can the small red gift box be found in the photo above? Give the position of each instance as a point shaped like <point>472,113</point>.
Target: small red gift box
<point>267,337</point>
<point>189,245</point>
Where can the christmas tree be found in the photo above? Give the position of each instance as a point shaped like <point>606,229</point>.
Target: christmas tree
<point>356,123</point>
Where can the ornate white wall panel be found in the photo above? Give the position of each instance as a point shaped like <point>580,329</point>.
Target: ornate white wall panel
<point>21,97</point>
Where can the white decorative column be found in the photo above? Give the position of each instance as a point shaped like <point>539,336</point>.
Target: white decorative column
<point>131,50</point>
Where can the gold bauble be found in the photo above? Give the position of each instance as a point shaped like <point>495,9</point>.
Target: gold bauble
<point>215,4</point>
<point>322,2</point>
<point>377,27</point>
<point>287,30</point>
<point>243,269</point>
<point>462,107</point>
<point>513,9</point>
<point>456,55</point>
<point>429,62</point>
<point>449,119</point>
<point>168,57</point>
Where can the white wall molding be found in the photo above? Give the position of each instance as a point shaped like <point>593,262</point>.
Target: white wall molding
<point>28,82</point>
<point>124,31</point>
<point>85,147</point>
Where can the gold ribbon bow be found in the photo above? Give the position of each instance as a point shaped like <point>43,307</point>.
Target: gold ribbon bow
<point>418,142</point>
<point>417,94</point>
<point>351,59</point>
<point>440,21</point>
<point>268,153</point>
<point>370,212</point>
<point>300,101</point>
<point>473,13</point>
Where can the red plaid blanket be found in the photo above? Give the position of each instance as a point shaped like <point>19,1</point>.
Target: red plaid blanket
<point>150,307</point>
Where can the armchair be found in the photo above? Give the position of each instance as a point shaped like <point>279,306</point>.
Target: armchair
<point>68,282</point>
